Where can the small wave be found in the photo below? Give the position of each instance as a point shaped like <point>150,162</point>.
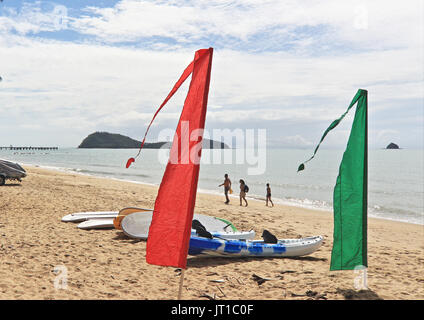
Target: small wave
<point>93,172</point>
<point>103,165</point>
<point>133,175</point>
<point>109,173</point>
<point>307,203</point>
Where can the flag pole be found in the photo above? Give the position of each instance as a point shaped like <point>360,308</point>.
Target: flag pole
<point>180,289</point>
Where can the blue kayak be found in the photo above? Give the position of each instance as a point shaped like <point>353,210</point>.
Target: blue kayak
<point>253,248</point>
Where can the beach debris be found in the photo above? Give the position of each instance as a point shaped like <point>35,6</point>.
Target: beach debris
<point>287,271</point>
<point>217,280</point>
<point>212,274</point>
<point>228,278</point>
<point>260,280</point>
<point>208,295</point>
<point>202,294</point>
<point>223,294</point>
<point>177,271</point>
<point>363,294</point>
<point>311,294</point>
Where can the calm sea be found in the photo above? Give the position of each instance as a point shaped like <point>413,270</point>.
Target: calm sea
<point>395,177</point>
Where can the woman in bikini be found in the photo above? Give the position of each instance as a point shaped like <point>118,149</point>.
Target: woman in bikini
<point>242,192</point>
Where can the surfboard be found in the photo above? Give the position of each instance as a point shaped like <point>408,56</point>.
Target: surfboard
<point>82,216</point>
<point>136,225</point>
<point>124,212</point>
<point>89,215</point>
<point>97,224</point>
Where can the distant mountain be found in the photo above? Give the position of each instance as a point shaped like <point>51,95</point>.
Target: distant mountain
<point>114,141</point>
<point>106,140</point>
<point>392,146</point>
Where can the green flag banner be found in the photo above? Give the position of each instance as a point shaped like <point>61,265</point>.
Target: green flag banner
<point>350,192</point>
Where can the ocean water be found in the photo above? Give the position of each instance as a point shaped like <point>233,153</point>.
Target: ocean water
<point>395,177</point>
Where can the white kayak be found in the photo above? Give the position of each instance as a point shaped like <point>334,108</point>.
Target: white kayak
<point>136,225</point>
<point>97,224</point>
<point>254,248</point>
<point>90,215</point>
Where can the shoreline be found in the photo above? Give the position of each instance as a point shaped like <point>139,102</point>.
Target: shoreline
<point>105,264</point>
<point>279,201</point>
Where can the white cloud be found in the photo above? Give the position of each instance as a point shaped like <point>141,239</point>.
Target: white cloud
<point>273,61</point>
<point>34,18</point>
<point>388,24</point>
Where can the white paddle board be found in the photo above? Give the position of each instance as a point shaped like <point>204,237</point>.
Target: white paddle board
<point>136,225</point>
<point>97,224</point>
<point>83,216</point>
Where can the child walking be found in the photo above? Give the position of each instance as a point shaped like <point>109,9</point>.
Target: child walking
<point>268,194</point>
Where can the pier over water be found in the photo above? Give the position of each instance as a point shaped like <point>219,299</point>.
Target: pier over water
<point>28,148</point>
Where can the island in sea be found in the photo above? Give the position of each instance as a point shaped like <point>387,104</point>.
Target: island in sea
<point>392,146</point>
<point>106,140</point>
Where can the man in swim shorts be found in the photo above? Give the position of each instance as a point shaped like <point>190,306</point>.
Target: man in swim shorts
<point>227,187</point>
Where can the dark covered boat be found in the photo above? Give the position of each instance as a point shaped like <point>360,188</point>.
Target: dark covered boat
<point>10,171</point>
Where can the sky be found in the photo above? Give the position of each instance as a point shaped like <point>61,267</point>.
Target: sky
<point>70,68</point>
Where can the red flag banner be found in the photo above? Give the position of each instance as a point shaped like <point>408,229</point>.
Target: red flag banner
<point>169,233</point>
<point>180,81</point>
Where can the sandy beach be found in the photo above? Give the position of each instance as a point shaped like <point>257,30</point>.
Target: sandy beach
<point>105,264</point>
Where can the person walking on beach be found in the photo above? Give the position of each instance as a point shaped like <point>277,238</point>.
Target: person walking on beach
<point>268,194</point>
<point>227,187</point>
<point>243,190</point>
